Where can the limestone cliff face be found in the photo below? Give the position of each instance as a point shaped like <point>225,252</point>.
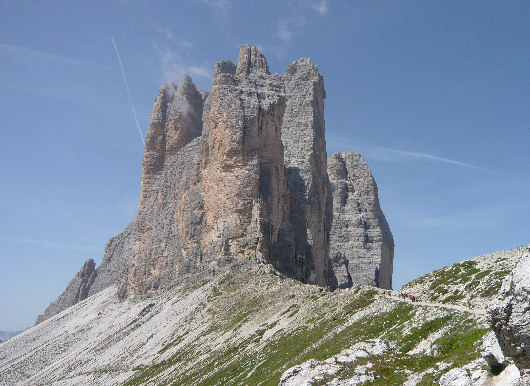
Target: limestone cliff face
<point>175,121</point>
<point>362,246</point>
<point>244,185</point>
<point>239,176</point>
<point>76,291</point>
<point>305,160</point>
<point>510,318</point>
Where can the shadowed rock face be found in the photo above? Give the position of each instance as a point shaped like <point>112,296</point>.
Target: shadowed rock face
<point>305,160</point>
<point>510,319</point>
<point>362,246</point>
<point>239,176</point>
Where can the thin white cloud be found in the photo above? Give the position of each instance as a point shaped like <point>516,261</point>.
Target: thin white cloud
<point>200,72</point>
<point>169,35</point>
<point>284,31</point>
<point>173,66</point>
<point>185,43</point>
<point>411,154</point>
<point>484,217</point>
<point>293,23</point>
<point>321,7</point>
<point>166,32</point>
<point>385,154</point>
<point>12,52</point>
<point>53,244</point>
<point>222,8</point>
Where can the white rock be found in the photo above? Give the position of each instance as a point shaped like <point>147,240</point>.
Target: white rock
<point>491,350</point>
<point>509,377</point>
<point>456,377</point>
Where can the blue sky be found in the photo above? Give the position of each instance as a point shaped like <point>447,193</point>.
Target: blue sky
<point>434,95</point>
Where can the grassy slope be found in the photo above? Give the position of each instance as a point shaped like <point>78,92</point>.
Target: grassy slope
<point>475,282</point>
<point>255,328</point>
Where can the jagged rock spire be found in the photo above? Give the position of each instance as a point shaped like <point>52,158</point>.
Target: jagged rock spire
<point>303,131</point>
<point>175,121</point>
<point>240,176</point>
<point>251,61</point>
<point>77,290</point>
<point>362,246</point>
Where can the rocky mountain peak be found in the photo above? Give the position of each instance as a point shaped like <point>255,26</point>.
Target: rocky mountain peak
<point>251,61</point>
<point>363,253</point>
<point>77,290</point>
<point>175,121</point>
<point>224,67</point>
<point>238,177</point>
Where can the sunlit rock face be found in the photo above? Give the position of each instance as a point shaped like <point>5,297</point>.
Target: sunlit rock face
<point>244,184</point>
<point>239,176</point>
<point>510,318</point>
<point>303,137</point>
<point>76,291</point>
<point>362,246</point>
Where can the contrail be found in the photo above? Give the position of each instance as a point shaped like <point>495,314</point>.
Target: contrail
<point>128,92</point>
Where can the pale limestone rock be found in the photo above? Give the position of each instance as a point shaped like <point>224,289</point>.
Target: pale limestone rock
<point>491,350</point>
<point>251,61</point>
<point>510,318</point>
<point>362,246</point>
<point>303,137</point>
<point>76,291</point>
<point>510,376</point>
<point>235,177</point>
<point>244,185</point>
<point>472,374</point>
<point>313,371</point>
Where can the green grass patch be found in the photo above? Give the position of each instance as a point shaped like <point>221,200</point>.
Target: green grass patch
<point>226,279</point>
<point>417,334</point>
<point>291,310</point>
<point>172,343</point>
<point>454,298</point>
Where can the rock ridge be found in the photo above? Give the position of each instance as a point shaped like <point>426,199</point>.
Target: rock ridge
<point>77,290</point>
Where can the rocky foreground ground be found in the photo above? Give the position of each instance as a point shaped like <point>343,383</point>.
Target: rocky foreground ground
<point>257,327</point>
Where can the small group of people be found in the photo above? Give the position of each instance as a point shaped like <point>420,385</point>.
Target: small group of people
<point>402,295</point>
<point>407,296</point>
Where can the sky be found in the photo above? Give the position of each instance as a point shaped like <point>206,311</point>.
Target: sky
<point>434,94</point>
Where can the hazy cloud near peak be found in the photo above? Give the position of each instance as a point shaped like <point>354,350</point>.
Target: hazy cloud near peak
<point>321,7</point>
<point>173,66</point>
<point>222,8</point>
<point>200,71</point>
<point>284,31</point>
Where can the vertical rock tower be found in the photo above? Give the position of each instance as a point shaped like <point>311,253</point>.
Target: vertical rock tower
<point>305,160</point>
<point>362,246</point>
<point>239,177</point>
<point>244,185</point>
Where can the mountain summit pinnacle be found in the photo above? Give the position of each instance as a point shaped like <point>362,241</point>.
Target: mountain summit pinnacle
<point>251,61</point>
<point>238,178</point>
